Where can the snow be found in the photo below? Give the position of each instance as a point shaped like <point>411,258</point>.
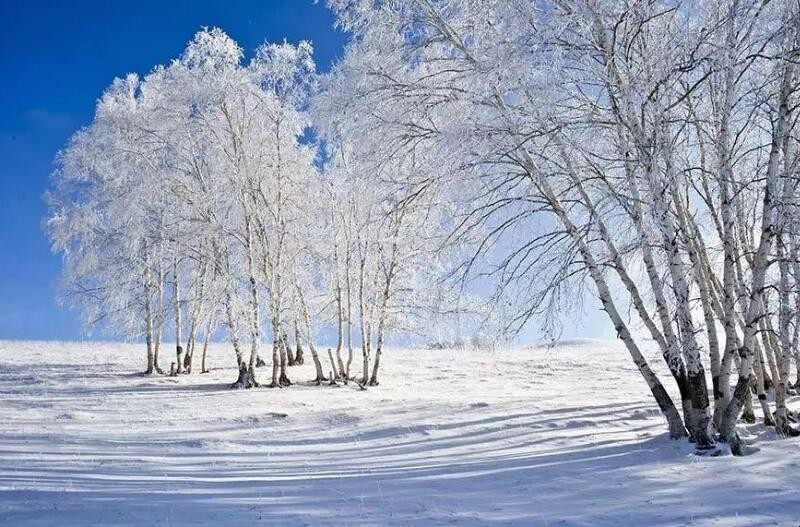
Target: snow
<point>534,436</point>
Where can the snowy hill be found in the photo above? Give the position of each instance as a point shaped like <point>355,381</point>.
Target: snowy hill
<point>524,437</point>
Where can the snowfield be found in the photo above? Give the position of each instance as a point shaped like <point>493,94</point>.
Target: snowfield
<point>535,436</point>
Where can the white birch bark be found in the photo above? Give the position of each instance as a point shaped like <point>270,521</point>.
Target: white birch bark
<point>309,332</point>
<point>148,308</point>
<point>176,305</point>
<point>761,258</point>
<point>675,424</point>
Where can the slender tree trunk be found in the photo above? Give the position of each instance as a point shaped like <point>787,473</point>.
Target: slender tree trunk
<point>796,332</point>
<point>159,316</point>
<point>784,359</point>
<point>177,307</point>
<point>194,321</point>
<point>289,351</point>
<point>149,323</point>
<point>255,308</point>
<point>242,380</point>
<point>206,340</point>
<point>298,357</point>
<point>339,329</point>
<point>276,365</point>
<point>768,346</point>
<point>760,386</point>
<point>283,379</point>
<point>363,324</point>
<point>148,311</point>
<point>309,334</point>
<point>334,375</point>
<point>373,381</point>
<point>726,227</point>
<point>348,285</point>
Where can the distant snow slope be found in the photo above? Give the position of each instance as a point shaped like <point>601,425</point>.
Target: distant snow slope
<point>543,436</point>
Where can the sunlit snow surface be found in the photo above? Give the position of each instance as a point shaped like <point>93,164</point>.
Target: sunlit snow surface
<point>538,436</point>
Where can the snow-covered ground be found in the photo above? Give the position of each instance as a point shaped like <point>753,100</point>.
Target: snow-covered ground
<point>538,436</point>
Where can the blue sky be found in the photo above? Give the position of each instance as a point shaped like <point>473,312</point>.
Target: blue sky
<point>56,57</point>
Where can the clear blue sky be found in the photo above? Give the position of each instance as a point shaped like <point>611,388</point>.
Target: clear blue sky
<point>56,57</point>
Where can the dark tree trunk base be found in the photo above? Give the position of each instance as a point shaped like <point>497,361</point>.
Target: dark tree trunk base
<point>245,381</point>
<point>785,430</point>
<point>319,380</point>
<point>704,442</point>
<point>712,451</point>
<point>749,417</point>
<point>739,446</point>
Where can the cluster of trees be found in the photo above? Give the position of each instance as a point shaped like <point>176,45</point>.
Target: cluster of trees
<point>195,205</point>
<point>500,158</point>
<point>646,148</point>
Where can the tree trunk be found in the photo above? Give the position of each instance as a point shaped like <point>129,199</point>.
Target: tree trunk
<point>348,285</point>
<point>784,346</point>
<point>177,307</point>
<point>339,330</point>
<point>283,379</point>
<point>363,322</point>
<point>309,335</point>
<point>148,308</point>
<point>298,356</point>
<point>197,305</point>
<point>276,361</point>
<point>334,375</point>
<point>206,340</point>
<point>291,360</point>
<point>233,333</point>
<point>247,371</point>
<point>159,316</point>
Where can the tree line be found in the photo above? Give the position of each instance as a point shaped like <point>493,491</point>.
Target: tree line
<point>195,205</point>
